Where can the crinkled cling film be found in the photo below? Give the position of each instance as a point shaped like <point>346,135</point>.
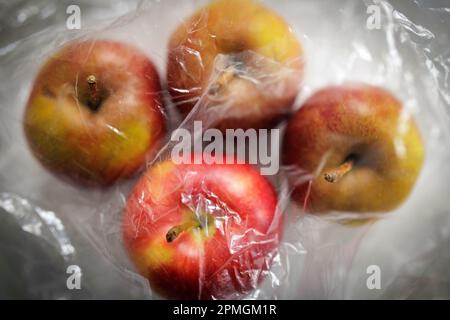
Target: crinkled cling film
<point>346,196</point>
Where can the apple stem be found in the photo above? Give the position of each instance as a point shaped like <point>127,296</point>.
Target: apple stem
<point>174,232</point>
<point>93,90</point>
<point>335,174</point>
<point>224,77</point>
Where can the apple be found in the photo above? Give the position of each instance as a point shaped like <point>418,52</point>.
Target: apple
<point>240,60</point>
<point>202,231</point>
<point>95,112</point>
<point>352,148</point>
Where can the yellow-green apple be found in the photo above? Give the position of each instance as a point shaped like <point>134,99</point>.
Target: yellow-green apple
<point>95,112</point>
<point>360,149</point>
<point>202,231</point>
<point>241,58</point>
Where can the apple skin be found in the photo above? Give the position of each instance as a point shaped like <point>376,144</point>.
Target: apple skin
<point>356,121</point>
<point>266,57</point>
<point>88,146</point>
<point>227,259</point>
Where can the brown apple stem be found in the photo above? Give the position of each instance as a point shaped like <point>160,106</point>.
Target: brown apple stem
<point>93,91</point>
<point>174,232</point>
<point>222,80</point>
<point>335,174</point>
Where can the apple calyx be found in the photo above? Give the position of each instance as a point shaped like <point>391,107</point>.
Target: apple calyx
<point>93,101</point>
<point>335,174</point>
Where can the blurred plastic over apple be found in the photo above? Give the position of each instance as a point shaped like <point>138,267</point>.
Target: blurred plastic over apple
<point>241,59</point>
<point>95,112</point>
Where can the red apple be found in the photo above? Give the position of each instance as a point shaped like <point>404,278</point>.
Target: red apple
<point>202,231</point>
<point>243,61</point>
<point>352,148</point>
<point>95,112</point>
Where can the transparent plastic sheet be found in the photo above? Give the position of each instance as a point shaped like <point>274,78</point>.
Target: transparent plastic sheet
<point>318,256</point>
<point>44,252</point>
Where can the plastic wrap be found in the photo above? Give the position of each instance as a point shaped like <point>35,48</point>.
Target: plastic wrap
<point>294,253</point>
